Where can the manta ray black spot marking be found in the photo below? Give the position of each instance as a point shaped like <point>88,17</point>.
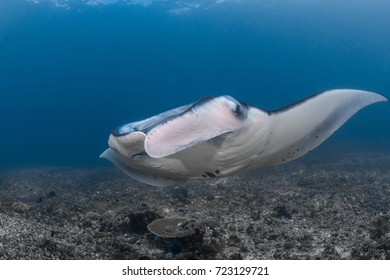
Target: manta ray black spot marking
<point>217,171</point>
<point>205,176</point>
<point>210,174</point>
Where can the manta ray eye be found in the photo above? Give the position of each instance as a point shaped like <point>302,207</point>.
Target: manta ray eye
<point>237,110</point>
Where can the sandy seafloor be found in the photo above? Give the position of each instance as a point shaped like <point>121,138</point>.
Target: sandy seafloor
<point>328,205</point>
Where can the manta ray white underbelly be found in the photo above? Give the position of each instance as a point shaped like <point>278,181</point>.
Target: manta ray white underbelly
<point>220,136</point>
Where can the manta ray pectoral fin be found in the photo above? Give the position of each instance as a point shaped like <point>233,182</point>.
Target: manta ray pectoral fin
<point>124,164</point>
<point>299,128</point>
<point>203,121</point>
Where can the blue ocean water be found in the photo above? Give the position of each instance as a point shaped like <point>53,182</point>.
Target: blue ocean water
<point>71,70</point>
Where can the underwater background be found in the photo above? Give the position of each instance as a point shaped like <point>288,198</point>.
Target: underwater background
<point>72,70</point>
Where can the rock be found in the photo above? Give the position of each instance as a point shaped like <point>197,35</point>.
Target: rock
<point>288,245</point>
<point>132,222</point>
<point>172,227</point>
<point>91,220</point>
<point>282,211</point>
<point>233,240</point>
<point>92,215</point>
<point>20,207</point>
<point>236,256</point>
<point>51,194</point>
<point>181,195</point>
<point>385,244</point>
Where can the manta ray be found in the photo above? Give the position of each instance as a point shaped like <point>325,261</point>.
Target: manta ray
<point>221,136</point>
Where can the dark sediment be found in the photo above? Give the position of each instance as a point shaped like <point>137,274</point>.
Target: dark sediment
<point>315,208</point>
